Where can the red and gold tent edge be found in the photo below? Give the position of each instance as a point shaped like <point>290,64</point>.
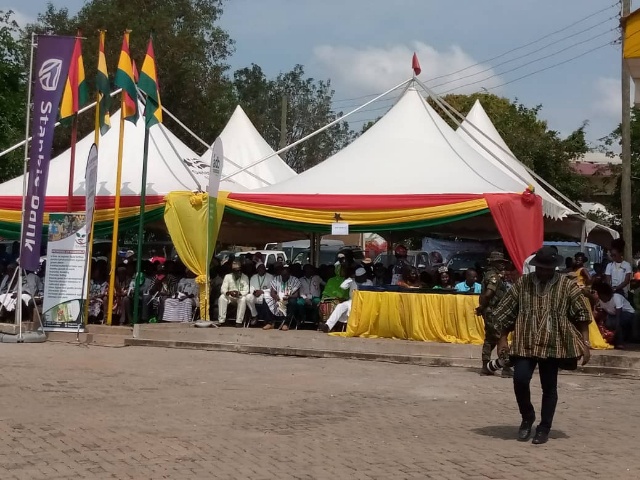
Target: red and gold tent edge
<point>518,217</point>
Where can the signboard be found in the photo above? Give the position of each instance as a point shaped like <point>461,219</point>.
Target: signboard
<point>91,181</point>
<point>51,66</point>
<point>339,228</point>
<point>65,278</point>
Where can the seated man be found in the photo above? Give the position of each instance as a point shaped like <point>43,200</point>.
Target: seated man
<point>620,314</point>
<point>310,290</point>
<point>234,290</point>
<point>342,310</point>
<point>258,285</point>
<point>282,298</point>
<point>470,284</point>
<point>9,292</point>
<point>179,308</point>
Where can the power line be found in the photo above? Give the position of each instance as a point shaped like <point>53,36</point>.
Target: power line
<point>535,51</point>
<point>536,71</point>
<point>523,65</point>
<point>577,22</point>
<point>530,43</point>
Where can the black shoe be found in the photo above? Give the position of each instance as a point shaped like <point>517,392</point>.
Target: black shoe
<point>540,438</point>
<point>324,328</point>
<point>239,325</point>
<point>524,432</point>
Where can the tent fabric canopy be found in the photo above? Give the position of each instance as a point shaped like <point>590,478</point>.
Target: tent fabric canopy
<point>409,171</point>
<point>243,146</point>
<point>479,131</point>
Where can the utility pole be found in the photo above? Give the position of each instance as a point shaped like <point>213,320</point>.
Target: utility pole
<point>625,185</point>
<point>283,122</point>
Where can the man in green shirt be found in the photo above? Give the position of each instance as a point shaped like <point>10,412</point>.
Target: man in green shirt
<point>549,319</point>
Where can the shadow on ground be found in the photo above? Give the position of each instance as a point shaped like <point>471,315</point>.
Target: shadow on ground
<point>510,432</point>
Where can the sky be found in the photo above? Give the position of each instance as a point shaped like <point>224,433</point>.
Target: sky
<point>365,47</point>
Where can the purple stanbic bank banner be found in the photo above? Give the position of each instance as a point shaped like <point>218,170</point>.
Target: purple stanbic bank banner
<point>53,56</point>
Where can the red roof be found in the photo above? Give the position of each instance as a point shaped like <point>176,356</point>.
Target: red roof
<point>589,169</point>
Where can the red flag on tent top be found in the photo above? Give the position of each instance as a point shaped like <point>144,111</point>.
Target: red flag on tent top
<point>415,64</point>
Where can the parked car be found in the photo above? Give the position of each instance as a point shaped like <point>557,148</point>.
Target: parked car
<point>416,258</point>
<point>269,257</point>
<point>463,261</point>
<point>292,249</point>
<point>329,254</point>
<point>594,252</point>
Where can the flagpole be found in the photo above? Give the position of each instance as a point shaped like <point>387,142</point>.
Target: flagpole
<point>116,215</point>
<point>143,194</point>
<point>96,141</point>
<point>24,186</point>
<point>72,165</point>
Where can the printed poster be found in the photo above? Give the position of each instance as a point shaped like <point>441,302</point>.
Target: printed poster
<point>65,278</point>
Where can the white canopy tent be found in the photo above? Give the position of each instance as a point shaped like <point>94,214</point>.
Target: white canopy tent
<point>243,145</point>
<point>478,131</point>
<point>171,165</point>
<point>410,150</point>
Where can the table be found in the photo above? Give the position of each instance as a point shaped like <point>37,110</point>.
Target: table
<point>434,317</point>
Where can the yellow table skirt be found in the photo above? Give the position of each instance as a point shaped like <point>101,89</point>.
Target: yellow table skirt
<point>429,317</point>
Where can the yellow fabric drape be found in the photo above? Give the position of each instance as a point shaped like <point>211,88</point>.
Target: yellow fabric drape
<point>358,217</point>
<point>426,317</point>
<point>186,215</point>
<point>102,215</point>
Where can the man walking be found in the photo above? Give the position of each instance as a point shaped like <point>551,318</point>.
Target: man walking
<point>550,323</point>
<point>494,288</point>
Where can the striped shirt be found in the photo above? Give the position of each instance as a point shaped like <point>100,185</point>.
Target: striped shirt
<point>543,318</point>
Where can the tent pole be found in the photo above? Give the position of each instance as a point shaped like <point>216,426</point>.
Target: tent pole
<point>143,194</point>
<point>320,130</point>
<point>28,139</point>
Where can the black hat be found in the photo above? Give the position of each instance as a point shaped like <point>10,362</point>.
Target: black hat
<point>547,257</point>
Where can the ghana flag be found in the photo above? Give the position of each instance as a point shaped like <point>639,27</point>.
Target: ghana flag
<point>148,83</point>
<point>124,79</point>
<point>103,88</point>
<point>75,93</point>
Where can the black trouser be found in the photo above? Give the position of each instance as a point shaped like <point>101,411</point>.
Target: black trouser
<point>522,374</point>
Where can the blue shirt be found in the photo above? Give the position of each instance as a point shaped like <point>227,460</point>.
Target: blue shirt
<point>462,287</point>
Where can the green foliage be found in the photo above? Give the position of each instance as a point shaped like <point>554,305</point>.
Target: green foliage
<point>13,94</point>
<point>308,109</point>
<point>190,48</point>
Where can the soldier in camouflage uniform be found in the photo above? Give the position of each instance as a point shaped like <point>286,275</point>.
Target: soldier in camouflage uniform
<point>494,287</point>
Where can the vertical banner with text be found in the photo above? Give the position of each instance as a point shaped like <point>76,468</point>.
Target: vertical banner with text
<point>50,69</point>
<point>65,278</point>
<point>217,159</point>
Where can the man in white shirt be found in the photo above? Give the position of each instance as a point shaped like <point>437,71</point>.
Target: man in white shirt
<point>284,292</point>
<point>259,284</point>
<point>342,310</point>
<point>234,290</point>
<point>621,316</point>
<point>618,273</point>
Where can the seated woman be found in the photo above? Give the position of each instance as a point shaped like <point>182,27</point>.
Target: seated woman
<point>121,300</point>
<point>410,278</point>
<point>342,311</point>
<point>179,307</point>
<point>578,271</point>
<point>333,294</point>
<point>443,280</point>
<point>98,291</point>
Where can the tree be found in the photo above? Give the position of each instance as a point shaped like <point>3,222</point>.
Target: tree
<point>308,109</point>
<point>532,142</point>
<point>191,50</point>
<point>613,205</point>
<point>13,94</point>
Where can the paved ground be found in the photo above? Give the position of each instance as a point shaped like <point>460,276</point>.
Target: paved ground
<point>96,412</point>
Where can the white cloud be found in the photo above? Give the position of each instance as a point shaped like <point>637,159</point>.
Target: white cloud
<point>374,69</point>
<point>607,101</point>
<point>20,18</point>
